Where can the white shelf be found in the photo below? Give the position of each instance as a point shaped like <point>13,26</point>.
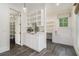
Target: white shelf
<point>35,17</point>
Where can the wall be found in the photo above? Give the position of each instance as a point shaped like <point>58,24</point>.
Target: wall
<point>77,30</point>
<point>23,26</point>
<point>77,34</point>
<point>74,30</point>
<point>4,28</point>
<point>64,34</point>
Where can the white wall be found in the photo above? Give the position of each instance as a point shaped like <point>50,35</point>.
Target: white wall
<point>4,28</point>
<point>23,26</point>
<point>77,30</point>
<point>74,30</point>
<point>64,35</point>
<point>77,33</point>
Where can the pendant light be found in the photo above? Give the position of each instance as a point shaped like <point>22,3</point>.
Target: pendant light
<point>24,8</point>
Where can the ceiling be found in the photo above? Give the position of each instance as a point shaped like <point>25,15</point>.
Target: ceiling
<point>52,8</point>
<point>61,6</point>
<point>33,6</point>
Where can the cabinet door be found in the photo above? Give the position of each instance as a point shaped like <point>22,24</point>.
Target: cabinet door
<point>31,41</point>
<point>34,42</point>
<point>28,40</point>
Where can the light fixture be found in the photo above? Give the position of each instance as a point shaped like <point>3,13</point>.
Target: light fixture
<point>24,8</point>
<point>57,4</point>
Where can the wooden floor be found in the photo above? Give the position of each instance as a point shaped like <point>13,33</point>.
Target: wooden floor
<point>52,49</point>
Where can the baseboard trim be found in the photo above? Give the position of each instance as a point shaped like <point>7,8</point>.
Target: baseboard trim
<point>4,49</point>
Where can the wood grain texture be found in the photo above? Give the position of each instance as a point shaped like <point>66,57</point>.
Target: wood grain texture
<point>53,49</point>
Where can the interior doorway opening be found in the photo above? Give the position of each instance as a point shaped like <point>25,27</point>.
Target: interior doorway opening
<point>49,39</point>
<point>15,28</point>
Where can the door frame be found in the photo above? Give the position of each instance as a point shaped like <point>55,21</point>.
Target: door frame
<point>19,14</point>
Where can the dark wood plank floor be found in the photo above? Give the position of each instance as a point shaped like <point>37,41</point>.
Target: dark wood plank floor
<point>52,49</point>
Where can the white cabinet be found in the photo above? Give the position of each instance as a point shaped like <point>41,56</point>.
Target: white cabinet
<point>35,41</point>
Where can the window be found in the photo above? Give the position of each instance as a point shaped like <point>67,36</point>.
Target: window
<point>63,22</point>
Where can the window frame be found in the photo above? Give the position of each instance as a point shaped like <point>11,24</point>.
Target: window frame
<point>63,22</point>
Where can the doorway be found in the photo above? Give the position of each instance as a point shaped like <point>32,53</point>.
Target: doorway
<point>15,28</point>
<point>49,40</point>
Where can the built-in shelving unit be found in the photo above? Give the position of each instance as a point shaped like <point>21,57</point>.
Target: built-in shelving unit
<point>35,38</point>
<point>49,26</point>
<point>36,17</point>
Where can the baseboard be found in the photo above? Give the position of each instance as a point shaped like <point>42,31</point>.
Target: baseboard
<point>62,43</point>
<point>4,49</point>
